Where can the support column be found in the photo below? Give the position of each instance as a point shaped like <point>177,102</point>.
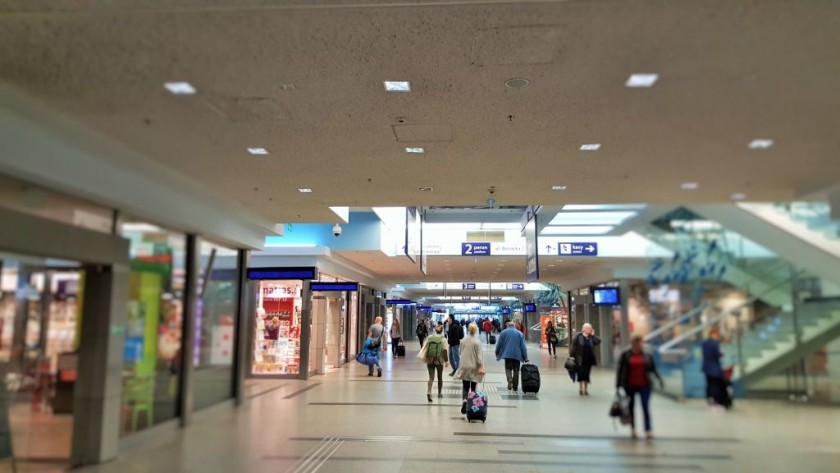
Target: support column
<point>624,291</point>
<point>305,329</point>
<point>98,389</point>
<point>188,342</point>
<point>243,328</point>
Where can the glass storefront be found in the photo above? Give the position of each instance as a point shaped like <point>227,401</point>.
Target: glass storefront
<point>154,323</point>
<point>215,325</point>
<point>277,327</point>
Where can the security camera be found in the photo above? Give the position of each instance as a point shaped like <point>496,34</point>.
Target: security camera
<point>337,230</point>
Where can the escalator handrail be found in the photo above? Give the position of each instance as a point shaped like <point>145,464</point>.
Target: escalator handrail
<point>675,322</point>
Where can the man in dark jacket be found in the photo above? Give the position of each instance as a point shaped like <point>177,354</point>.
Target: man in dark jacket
<point>454,336</point>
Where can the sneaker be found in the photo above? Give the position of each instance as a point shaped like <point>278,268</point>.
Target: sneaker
<point>649,435</point>
<point>379,373</point>
<point>510,386</point>
<point>440,396</point>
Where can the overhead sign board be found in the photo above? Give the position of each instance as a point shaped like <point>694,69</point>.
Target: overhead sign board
<point>532,257</point>
<point>468,286</point>
<point>398,302</point>
<point>516,287</point>
<point>578,249</point>
<point>466,298</point>
<point>333,286</point>
<point>475,249</point>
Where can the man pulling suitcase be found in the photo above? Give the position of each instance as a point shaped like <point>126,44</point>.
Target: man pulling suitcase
<point>511,347</point>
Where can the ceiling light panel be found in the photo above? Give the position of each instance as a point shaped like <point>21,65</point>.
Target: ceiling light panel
<point>416,150</point>
<point>180,88</point>
<point>645,79</point>
<point>578,230</point>
<point>258,151</point>
<point>761,144</point>
<point>558,188</point>
<point>739,196</point>
<point>591,218</point>
<point>305,190</point>
<point>590,147</point>
<point>599,207</point>
<point>397,86</point>
<point>689,186</point>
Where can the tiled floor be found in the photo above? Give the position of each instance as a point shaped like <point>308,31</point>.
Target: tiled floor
<point>346,422</point>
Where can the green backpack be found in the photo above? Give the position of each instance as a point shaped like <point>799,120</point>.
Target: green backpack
<point>434,348</point>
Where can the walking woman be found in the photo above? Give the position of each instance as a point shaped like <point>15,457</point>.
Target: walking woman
<point>635,368</point>
<point>551,337</point>
<point>716,384</point>
<point>471,368</point>
<point>435,353</point>
<point>583,351</point>
<point>396,335</point>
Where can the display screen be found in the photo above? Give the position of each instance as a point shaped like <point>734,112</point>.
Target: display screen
<point>506,311</point>
<point>530,307</point>
<point>605,296</point>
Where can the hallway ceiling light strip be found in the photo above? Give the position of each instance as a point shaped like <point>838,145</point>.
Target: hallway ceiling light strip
<point>592,218</point>
<point>577,230</point>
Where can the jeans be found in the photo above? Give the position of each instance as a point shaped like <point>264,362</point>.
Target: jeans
<point>455,357</point>
<point>395,342</point>
<point>488,337</point>
<point>377,365</point>
<point>512,372</point>
<point>552,348</point>
<point>432,370</point>
<point>468,387</point>
<point>422,340</point>
<point>644,393</point>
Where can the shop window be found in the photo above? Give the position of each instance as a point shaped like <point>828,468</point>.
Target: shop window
<point>153,335</point>
<point>277,328</point>
<point>215,329</point>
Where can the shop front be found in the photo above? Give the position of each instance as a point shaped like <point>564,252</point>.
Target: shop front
<point>303,322</point>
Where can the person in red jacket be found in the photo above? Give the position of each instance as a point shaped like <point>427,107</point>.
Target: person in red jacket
<point>488,328</point>
<point>635,370</point>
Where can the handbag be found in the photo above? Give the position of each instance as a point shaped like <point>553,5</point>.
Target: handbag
<point>571,365</point>
<point>620,409</point>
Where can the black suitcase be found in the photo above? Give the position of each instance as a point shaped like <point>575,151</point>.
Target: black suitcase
<point>492,339</point>
<point>530,375</point>
<point>401,351</point>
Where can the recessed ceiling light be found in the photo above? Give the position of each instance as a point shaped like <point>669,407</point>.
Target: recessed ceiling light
<point>551,266</point>
<point>644,79</point>
<point>415,150</point>
<point>397,86</point>
<point>180,88</point>
<point>761,144</point>
<point>426,189</point>
<point>558,188</point>
<point>739,196</point>
<point>305,190</point>
<point>592,218</point>
<point>517,83</point>
<point>258,151</point>
<point>590,147</point>
<point>577,230</point>
<point>689,186</point>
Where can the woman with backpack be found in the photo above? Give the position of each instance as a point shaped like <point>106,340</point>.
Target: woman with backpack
<point>435,353</point>
<point>471,368</point>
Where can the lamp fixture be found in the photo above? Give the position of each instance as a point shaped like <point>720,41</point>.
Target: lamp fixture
<point>397,86</point>
<point>644,79</point>
<point>258,151</point>
<point>305,190</point>
<point>180,88</point>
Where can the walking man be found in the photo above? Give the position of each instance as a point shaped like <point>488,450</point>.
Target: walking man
<point>454,336</point>
<point>377,333</point>
<point>511,347</point>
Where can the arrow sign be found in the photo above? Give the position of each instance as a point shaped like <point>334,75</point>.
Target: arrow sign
<point>578,249</point>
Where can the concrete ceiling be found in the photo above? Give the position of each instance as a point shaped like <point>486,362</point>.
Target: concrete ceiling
<point>304,80</point>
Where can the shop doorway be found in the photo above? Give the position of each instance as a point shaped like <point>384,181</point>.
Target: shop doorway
<point>40,310</point>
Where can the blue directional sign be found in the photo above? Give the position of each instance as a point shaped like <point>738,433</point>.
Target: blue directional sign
<point>468,286</point>
<point>516,287</point>
<point>475,249</point>
<point>466,298</point>
<point>578,249</point>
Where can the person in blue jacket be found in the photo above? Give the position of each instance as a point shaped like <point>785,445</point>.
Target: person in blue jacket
<point>511,347</point>
<point>716,383</point>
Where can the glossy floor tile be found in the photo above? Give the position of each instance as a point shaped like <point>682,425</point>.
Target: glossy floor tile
<point>347,422</point>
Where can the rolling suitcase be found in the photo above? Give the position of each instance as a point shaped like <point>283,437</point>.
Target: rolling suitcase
<point>401,350</point>
<point>530,375</point>
<point>492,339</point>
<point>477,406</point>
